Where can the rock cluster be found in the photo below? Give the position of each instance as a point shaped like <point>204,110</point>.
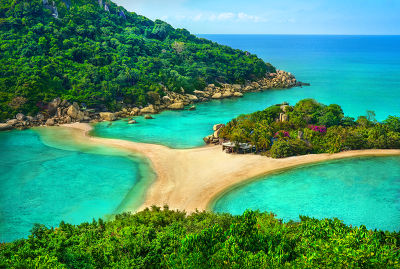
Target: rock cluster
<point>214,138</point>
<point>61,111</point>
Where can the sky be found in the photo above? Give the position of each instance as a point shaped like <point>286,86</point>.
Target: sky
<point>346,17</point>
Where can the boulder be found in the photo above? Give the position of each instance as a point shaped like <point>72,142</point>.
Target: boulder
<point>238,94</point>
<point>53,105</point>
<point>283,117</point>
<point>64,103</point>
<point>5,127</point>
<point>208,139</point>
<point>285,108</point>
<point>216,127</point>
<point>132,122</point>
<point>227,94</point>
<point>216,96</point>
<point>67,119</point>
<point>176,106</point>
<point>108,116</point>
<point>237,87</point>
<point>30,118</point>
<point>192,108</point>
<point>50,122</point>
<point>12,122</point>
<point>192,97</point>
<point>40,117</point>
<point>135,111</point>
<point>149,110</point>
<point>75,113</point>
<point>166,99</point>
<point>148,117</point>
<point>75,104</point>
<point>20,116</point>
<point>217,132</point>
<point>199,92</point>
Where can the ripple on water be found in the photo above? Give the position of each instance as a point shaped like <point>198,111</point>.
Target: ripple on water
<point>358,191</point>
<point>43,184</point>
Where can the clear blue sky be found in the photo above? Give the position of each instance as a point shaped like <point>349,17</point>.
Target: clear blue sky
<point>274,16</point>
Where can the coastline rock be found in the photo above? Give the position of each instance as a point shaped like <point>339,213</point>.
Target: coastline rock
<point>149,110</point>
<point>216,127</point>
<point>238,94</point>
<point>20,116</point>
<point>208,139</point>
<point>237,87</point>
<point>217,132</point>
<point>53,105</point>
<point>50,122</point>
<point>108,116</point>
<point>192,108</point>
<point>217,95</point>
<point>40,117</point>
<point>12,122</point>
<point>192,97</point>
<point>135,111</point>
<point>148,117</point>
<point>75,113</point>
<point>176,106</point>
<point>132,122</point>
<point>227,94</point>
<point>5,127</point>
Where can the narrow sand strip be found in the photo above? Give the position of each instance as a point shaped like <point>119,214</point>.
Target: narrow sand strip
<point>191,179</point>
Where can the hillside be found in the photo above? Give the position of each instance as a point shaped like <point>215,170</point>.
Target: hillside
<point>99,54</point>
<point>169,239</point>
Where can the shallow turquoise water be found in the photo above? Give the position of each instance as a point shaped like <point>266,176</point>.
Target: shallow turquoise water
<point>42,184</point>
<point>358,191</point>
<point>357,72</point>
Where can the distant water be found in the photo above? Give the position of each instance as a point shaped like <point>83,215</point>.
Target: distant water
<point>359,73</point>
<point>43,184</point>
<point>361,191</point>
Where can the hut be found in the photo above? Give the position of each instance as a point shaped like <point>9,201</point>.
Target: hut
<point>230,147</point>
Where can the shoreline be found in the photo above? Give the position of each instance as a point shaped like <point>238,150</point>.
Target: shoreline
<point>62,112</point>
<point>193,179</point>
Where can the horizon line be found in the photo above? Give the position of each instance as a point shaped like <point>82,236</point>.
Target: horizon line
<point>307,34</point>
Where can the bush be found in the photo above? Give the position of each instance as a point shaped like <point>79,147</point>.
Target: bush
<point>283,148</point>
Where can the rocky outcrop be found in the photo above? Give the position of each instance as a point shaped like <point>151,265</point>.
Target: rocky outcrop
<point>214,138</point>
<point>74,113</point>
<point>50,122</point>
<point>107,116</point>
<point>5,127</point>
<point>176,106</point>
<point>151,109</point>
<point>61,111</point>
<point>148,117</point>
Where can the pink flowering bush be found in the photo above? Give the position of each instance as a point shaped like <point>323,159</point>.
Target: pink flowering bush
<point>281,134</point>
<point>321,129</point>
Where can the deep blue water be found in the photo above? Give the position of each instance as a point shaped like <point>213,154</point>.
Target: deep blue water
<point>360,191</point>
<point>359,73</point>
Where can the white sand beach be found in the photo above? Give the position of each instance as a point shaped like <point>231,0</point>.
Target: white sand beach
<point>191,179</point>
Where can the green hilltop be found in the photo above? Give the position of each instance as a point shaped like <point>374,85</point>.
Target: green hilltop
<point>97,53</point>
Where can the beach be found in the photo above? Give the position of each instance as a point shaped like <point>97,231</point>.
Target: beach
<point>191,179</point>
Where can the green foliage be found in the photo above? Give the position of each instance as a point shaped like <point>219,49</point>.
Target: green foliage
<point>170,239</point>
<point>99,58</point>
<point>285,148</point>
<point>262,129</point>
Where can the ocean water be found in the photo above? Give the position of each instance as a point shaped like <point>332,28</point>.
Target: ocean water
<point>45,184</point>
<point>359,73</point>
<point>360,191</point>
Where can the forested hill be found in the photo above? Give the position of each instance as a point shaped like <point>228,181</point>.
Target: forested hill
<point>97,53</point>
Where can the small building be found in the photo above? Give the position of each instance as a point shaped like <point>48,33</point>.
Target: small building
<point>242,148</point>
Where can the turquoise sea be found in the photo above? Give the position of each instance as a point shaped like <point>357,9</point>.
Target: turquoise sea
<point>359,73</point>
<point>45,184</point>
<point>360,191</point>
<point>47,180</point>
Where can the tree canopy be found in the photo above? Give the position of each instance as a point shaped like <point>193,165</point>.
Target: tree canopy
<point>104,58</point>
<point>311,127</point>
<point>169,239</point>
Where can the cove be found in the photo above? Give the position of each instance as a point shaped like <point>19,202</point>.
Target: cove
<point>359,73</point>
<point>359,191</point>
<point>47,184</point>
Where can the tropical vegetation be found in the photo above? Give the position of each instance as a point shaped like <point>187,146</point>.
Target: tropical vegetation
<point>97,53</point>
<point>158,238</point>
<point>311,127</point>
